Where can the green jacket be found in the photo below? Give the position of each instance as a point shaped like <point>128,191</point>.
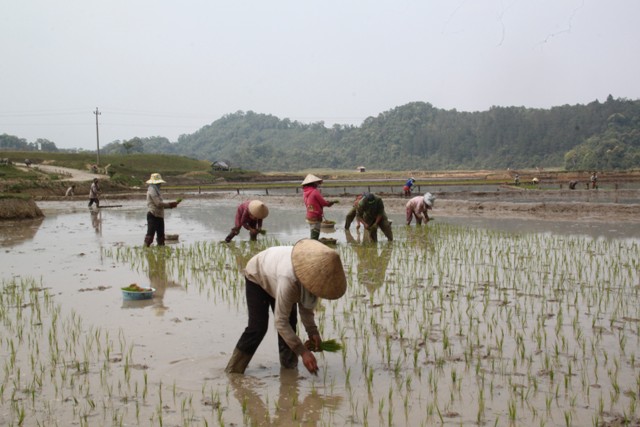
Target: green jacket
<point>369,211</point>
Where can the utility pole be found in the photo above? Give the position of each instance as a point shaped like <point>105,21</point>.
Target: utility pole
<point>97,113</point>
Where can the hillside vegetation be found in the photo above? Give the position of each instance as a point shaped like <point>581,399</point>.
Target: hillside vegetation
<point>415,136</point>
<point>419,136</point>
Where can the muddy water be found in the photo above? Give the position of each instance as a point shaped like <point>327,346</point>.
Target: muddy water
<point>400,367</point>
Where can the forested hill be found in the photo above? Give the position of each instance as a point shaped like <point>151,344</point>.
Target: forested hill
<point>420,136</point>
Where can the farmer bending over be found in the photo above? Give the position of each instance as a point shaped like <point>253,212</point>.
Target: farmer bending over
<point>249,215</point>
<point>282,278</point>
<point>370,213</point>
<point>417,207</point>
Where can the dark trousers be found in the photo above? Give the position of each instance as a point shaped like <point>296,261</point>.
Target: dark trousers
<point>155,225</point>
<point>258,304</point>
<point>92,201</point>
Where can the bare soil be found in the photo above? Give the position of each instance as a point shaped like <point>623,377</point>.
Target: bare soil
<point>618,200</point>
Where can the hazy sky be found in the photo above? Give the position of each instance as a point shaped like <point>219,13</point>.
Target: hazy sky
<point>169,67</point>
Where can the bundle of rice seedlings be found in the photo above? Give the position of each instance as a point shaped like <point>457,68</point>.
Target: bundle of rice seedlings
<point>331,346</point>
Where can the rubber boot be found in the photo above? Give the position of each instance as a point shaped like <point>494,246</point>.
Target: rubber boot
<point>238,362</point>
<point>288,359</point>
<point>148,240</point>
<point>315,234</point>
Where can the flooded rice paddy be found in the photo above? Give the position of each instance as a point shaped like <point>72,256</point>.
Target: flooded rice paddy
<point>466,321</point>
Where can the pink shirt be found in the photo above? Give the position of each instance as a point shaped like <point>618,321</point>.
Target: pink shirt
<point>417,205</point>
<point>314,202</point>
<point>243,217</point>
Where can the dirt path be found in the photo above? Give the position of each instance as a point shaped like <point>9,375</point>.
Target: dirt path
<point>70,174</point>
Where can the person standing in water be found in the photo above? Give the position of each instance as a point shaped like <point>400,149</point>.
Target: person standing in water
<point>314,203</point>
<point>156,207</point>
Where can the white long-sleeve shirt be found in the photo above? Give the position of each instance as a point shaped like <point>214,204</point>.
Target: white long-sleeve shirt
<point>155,204</point>
<point>272,269</point>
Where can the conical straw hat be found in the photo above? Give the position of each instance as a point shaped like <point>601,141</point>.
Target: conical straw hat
<point>319,269</point>
<point>258,209</point>
<point>310,179</point>
<point>156,178</point>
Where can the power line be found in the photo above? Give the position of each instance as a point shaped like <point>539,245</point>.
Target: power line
<point>97,113</point>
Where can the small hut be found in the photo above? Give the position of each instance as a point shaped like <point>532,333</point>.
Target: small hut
<point>361,169</point>
<point>221,166</point>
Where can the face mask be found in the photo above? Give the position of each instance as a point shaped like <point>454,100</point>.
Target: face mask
<point>307,299</point>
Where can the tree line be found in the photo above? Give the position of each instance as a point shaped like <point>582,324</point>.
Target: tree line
<point>419,136</point>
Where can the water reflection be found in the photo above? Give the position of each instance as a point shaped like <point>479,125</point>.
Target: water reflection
<point>96,221</point>
<point>242,252</point>
<point>158,279</point>
<point>16,232</point>
<point>373,259</point>
<point>289,409</point>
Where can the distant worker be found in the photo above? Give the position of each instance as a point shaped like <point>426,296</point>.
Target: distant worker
<point>314,203</point>
<point>71,191</point>
<point>370,213</point>
<point>351,215</point>
<point>516,179</point>
<point>594,180</point>
<point>572,185</point>
<point>156,207</point>
<point>94,193</point>
<point>28,163</point>
<point>407,186</point>
<point>535,181</point>
<point>417,207</point>
<point>249,215</point>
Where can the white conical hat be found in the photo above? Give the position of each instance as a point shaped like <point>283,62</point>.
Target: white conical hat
<point>429,199</point>
<point>258,209</point>
<point>310,179</point>
<point>319,269</point>
<point>156,178</point>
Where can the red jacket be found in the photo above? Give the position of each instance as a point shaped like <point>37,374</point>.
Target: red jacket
<point>314,202</point>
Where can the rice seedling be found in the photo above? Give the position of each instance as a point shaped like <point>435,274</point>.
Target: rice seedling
<point>486,324</point>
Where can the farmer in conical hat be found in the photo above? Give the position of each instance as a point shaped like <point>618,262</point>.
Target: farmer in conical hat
<point>283,278</point>
<point>314,203</point>
<point>418,206</point>
<point>249,215</point>
<point>156,207</point>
